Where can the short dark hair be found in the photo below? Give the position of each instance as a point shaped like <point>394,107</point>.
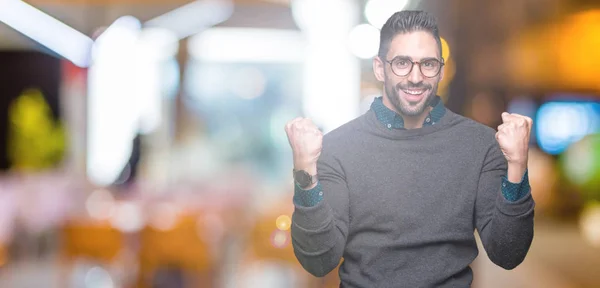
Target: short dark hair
<point>405,22</point>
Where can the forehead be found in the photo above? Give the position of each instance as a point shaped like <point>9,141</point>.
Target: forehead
<point>417,45</point>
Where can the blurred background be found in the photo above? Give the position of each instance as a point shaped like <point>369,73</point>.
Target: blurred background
<point>142,142</point>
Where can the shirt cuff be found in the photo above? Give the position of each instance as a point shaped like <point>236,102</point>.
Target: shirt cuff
<point>308,198</point>
<point>515,191</point>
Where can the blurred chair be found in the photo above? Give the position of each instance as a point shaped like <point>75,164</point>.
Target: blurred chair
<point>96,241</point>
<point>269,242</point>
<point>177,252</point>
<point>3,255</point>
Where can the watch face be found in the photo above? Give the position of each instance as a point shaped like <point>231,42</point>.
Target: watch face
<point>303,178</point>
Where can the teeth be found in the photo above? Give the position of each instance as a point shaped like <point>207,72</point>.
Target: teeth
<point>413,92</point>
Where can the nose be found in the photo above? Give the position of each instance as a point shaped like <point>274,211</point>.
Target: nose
<point>415,75</point>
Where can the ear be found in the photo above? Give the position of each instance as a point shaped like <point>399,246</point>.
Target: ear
<point>442,70</point>
<point>379,69</point>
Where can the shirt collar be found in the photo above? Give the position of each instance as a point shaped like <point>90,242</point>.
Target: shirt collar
<point>393,120</point>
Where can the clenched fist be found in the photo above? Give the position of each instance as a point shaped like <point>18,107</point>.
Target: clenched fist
<point>306,141</point>
<point>513,137</point>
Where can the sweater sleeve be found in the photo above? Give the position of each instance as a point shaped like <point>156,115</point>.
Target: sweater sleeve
<point>319,232</point>
<point>505,227</point>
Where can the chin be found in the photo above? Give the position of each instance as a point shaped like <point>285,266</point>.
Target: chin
<point>409,107</point>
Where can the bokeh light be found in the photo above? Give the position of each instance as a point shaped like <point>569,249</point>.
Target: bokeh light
<point>363,41</point>
<point>449,70</point>
<point>98,277</point>
<point>280,239</point>
<point>100,204</point>
<point>127,217</point>
<point>283,222</point>
<point>559,124</point>
<point>581,164</point>
<point>445,49</point>
<point>543,179</point>
<point>248,83</point>
<point>589,223</point>
<point>378,11</point>
<point>211,227</point>
<point>164,216</point>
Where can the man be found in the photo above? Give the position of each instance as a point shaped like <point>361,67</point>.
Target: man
<point>399,191</point>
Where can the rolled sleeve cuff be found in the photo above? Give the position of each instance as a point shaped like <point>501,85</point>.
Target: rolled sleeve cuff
<point>515,191</point>
<point>308,198</point>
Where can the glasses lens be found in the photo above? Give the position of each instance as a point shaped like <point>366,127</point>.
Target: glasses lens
<point>401,67</point>
<point>430,68</point>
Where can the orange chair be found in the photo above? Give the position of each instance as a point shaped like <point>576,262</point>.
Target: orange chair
<point>3,255</point>
<point>93,240</point>
<point>180,247</point>
<point>269,239</point>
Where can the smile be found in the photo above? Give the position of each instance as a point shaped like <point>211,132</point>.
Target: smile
<point>414,92</point>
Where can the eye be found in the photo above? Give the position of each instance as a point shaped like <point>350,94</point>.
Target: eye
<point>402,63</point>
<point>430,64</point>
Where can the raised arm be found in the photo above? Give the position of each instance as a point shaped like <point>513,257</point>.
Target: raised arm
<point>504,205</point>
<point>320,219</point>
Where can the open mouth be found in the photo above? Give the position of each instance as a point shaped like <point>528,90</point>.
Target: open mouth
<point>414,95</point>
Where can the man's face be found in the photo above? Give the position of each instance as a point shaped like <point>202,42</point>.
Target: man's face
<point>410,94</point>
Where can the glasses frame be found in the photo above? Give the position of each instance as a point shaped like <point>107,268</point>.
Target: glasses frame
<point>413,66</point>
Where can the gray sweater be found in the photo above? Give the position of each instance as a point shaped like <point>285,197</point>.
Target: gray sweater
<point>401,206</point>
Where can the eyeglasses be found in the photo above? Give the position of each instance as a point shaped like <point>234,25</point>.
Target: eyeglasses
<point>402,66</point>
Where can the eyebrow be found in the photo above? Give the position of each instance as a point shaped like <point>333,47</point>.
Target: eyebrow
<point>408,57</point>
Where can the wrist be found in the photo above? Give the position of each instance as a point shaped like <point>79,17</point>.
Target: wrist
<point>310,167</point>
<point>516,171</point>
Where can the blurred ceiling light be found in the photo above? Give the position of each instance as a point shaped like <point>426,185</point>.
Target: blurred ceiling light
<point>158,43</point>
<point>364,41</point>
<point>194,17</point>
<point>112,117</point>
<point>47,31</point>
<point>247,45</point>
<point>377,12</point>
<point>328,61</point>
<point>321,17</point>
<point>154,48</point>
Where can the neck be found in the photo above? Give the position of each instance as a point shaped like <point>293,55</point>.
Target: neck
<point>410,122</point>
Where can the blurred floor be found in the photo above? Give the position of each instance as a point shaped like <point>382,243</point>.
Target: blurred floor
<point>559,258</point>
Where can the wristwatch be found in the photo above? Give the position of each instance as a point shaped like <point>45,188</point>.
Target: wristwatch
<point>304,179</point>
